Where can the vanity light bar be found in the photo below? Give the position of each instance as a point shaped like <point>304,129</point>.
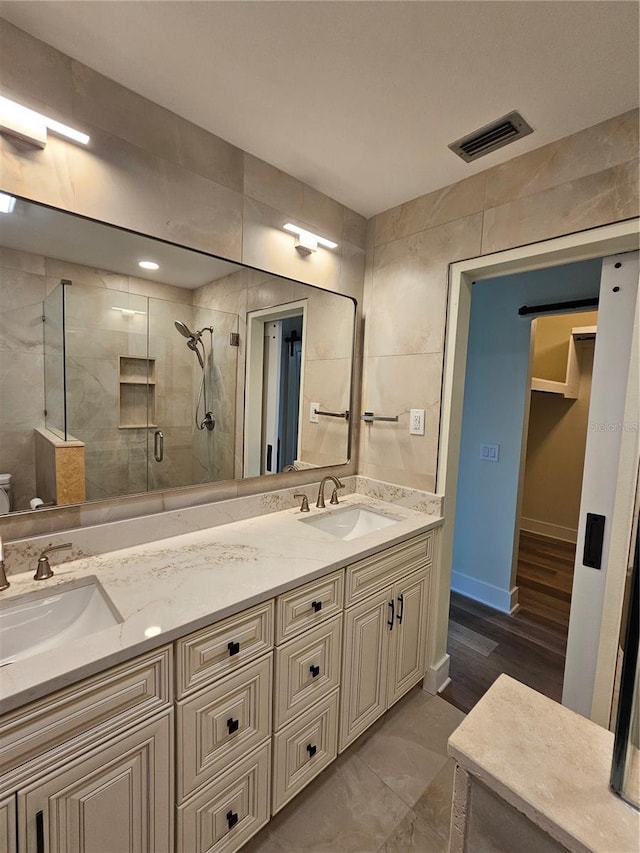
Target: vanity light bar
<point>128,312</point>
<point>32,127</point>
<point>7,203</point>
<point>308,238</point>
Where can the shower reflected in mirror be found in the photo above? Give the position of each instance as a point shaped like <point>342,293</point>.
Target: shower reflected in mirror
<point>194,340</point>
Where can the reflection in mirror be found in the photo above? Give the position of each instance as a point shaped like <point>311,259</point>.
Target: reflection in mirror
<point>117,379</point>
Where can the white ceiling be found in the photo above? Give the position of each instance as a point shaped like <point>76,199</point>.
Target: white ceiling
<point>359,99</point>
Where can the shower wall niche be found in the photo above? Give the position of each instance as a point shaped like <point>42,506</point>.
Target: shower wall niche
<point>117,372</point>
<point>137,392</point>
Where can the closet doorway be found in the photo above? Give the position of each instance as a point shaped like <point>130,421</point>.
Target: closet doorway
<point>562,351</point>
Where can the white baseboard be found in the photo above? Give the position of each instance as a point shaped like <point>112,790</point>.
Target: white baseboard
<point>553,531</point>
<point>500,599</point>
<point>436,677</point>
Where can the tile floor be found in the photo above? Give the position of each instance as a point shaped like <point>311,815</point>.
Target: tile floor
<point>390,792</point>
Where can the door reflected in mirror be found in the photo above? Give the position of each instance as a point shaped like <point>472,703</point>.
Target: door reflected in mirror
<point>116,379</point>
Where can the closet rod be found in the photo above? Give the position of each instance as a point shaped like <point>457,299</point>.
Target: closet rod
<point>558,306</point>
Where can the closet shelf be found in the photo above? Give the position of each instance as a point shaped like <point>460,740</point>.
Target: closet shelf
<point>570,387</point>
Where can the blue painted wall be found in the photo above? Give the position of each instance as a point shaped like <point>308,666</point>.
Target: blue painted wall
<point>495,406</point>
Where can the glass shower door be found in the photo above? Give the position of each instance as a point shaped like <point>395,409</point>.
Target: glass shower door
<point>194,400</point>
<point>107,381</point>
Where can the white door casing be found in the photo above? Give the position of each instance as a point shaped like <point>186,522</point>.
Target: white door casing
<point>594,243</point>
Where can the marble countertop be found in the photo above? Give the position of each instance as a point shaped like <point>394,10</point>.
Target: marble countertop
<point>169,587</point>
<point>549,763</point>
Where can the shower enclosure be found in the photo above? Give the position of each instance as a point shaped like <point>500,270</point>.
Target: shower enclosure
<point>154,411</point>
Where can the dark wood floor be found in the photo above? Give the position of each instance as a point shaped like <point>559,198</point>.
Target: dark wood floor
<point>531,644</point>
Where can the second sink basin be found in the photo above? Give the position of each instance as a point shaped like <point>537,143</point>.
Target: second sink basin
<point>351,522</point>
<point>39,621</point>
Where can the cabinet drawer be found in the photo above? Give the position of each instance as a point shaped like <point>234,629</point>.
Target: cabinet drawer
<point>222,648</point>
<point>225,814</point>
<point>222,723</point>
<point>380,570</point>
<point>304,748</point>
<point>307,669</point>
<point>308,605</point>
<point>52,729</point>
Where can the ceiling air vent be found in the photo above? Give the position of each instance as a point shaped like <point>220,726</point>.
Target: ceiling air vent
<point>491,137</point>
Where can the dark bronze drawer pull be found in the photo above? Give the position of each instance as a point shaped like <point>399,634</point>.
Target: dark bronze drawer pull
<point>317,606</point>
<point>232,819</point>
<point>39,832</point>
<point>232,725</point>
<point>314,670</point>
<point>234,648</point>
<point>390,620</point>
<point>311,750</point>
<point>401,608</point>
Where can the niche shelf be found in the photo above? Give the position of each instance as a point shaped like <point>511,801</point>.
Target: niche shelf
<point>569,388</point>
<point>137,396</point>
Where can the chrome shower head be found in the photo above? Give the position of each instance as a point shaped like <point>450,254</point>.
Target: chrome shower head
<point>184,330</point>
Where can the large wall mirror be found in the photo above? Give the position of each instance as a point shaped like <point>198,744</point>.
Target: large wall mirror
<point>128,364</point>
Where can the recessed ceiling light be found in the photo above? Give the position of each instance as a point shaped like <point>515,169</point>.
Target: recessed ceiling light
<point>7,203</point>
<point>149,265</point>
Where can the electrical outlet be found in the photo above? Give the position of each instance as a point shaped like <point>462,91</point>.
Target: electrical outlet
<point>313,413</point>
<point>489,452</point>
<point>416,422</point>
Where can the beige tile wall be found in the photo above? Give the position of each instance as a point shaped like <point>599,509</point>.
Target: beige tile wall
<point>151,171</point>
<point>583,181</point>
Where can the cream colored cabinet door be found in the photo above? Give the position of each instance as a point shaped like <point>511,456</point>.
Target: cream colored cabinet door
<point>115,799</point>
<point>407,640</point>
<point>364,665</point>
<point>8,825</point>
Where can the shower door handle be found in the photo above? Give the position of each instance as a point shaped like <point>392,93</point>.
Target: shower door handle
<point>158,445</point>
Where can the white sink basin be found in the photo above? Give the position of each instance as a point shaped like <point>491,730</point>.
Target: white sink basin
<point>39,621</point>
<point>351,522</point>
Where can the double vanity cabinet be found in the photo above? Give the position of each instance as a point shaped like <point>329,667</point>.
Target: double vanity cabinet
<point>193,746</point>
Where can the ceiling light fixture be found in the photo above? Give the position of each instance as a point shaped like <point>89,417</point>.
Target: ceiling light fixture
<point>7,203</point>
<point>307,241</point>
<point>149,265</point>
<point>128,312</point>
<point>32,127</point>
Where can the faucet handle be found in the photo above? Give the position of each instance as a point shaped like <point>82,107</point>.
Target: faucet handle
<point>44,570</point>
<point>334,495</point>
<point>4,583</point>
<point>304,506</point>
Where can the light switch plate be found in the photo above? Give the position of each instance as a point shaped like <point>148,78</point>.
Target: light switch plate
<point>313,413</point>
<point>489,452</point>
<point>416,422</point>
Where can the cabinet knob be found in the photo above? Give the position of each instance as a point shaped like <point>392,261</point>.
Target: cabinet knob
<point>314,670</point>
<point>232,819</point>
<point>316,605</point>
<point>234,648</point>
<point>311,749</point>
<point>232,725</point>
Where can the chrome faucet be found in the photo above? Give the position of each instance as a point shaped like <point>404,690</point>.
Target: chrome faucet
<point>334,494</point>
<point>4,583</point>
<point>44,570</point>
